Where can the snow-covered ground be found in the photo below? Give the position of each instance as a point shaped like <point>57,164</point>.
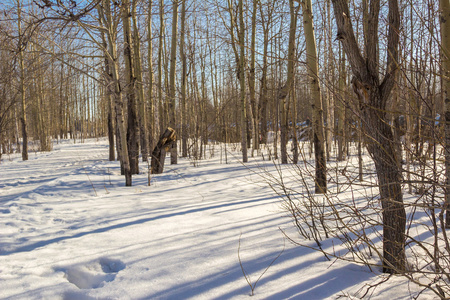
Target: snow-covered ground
<point>70,229</point>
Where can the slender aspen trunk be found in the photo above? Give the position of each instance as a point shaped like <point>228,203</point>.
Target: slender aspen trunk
<point>141,103</point>
<point>184,135</point>
<point>173,61</point>
<point>287,88</point>
<point>242,81</point>
<point>161,109</point>
<point>151,101</point>
<point>133,126</point>
<point>341,107</point>
<point>263,98</point>
<point>116,90</point>
<point>214,88</point>
<point>240,62</point>
<point>21,49</point>
<point>252,78</point>
<point>318,124</point>
<point>445,50</point>
<point>330,92</point>
<point>109,97</point>
<point>203,97</point>
<point>294,124</point>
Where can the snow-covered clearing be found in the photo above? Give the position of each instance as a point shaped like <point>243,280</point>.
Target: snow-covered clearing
<point>70,229</point>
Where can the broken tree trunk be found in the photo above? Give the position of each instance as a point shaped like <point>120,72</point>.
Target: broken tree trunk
<point>159,153</point>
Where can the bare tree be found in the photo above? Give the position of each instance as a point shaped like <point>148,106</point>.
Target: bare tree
<point>318,124</point>
<point>21,48</point>
<point>151,98</point>
<point>242,81</point>
<point>130,76</point>
<point>173,61</point>
<point>184,121</point>
<point>445,53</point>
<point>373,94</point>
<point>287,88</point>
<point>266,21</point>
<point>252,79</point>
<point>116,87</point>
<point>141,103</point>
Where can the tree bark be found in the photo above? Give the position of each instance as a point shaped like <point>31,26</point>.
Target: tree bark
<point>161,109</point>
<point>109,99</point>
<point>23,117</point>
<point>184,126</point>
<point>173,61</point>
<point>242,81</point>
<point>133,125</point>
<point>263,98</point>
<point>373,97</point>
<point>287,88</point>
<point>252,78</point>
<point>151,101</point>
<point>318,124</point>
<point>341,107</point>
<point>165,142</point>
<point>141,103</point>
<point>116,89</point>
<point>445,44</point>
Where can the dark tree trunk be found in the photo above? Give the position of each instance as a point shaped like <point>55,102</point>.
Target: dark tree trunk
<point>373,95</point>
<point>263,99</point>
<point>133,134</point>
<point>166,141</point>
<point>284,139</point>
<point>112,156</point>
<point>383,150</point>
<point>321,163</point>
<point>24,139</point>
<point>444,7</point>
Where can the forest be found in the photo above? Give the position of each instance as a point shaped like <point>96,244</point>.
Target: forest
<point>272,79</point>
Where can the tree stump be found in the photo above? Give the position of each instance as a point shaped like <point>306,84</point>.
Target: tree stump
<point>166,141</point>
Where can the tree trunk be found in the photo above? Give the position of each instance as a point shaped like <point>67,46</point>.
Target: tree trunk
<point>445,42</point>
<point>341,107</point>
<point>151,101</point>
<point>116,90</point>
<point>112,156</point>
<point>23,117</point>
<point>165,142</point>
<point>109,99</point>
<point>133,125</point>
<point>294,125</point>
<point>141,103</point>
<point>263,99</point>
<point>161,109</point>
<point>384,153</point>
<point>242,82</point>
<point>373,97</point>
<point>173,61</point>
<point>330,91</point>
<point>184,135</point>
<point>251,80</point>
<point>318,124</point>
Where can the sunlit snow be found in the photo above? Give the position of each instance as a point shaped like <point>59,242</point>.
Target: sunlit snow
<point>70,229</point>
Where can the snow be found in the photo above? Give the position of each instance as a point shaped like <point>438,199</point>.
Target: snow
<point>70,229</point>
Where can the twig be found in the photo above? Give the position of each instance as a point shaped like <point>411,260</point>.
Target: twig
<point>246,276</point>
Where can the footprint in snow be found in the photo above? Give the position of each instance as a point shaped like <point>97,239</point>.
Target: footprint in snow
<point>94,274</point>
